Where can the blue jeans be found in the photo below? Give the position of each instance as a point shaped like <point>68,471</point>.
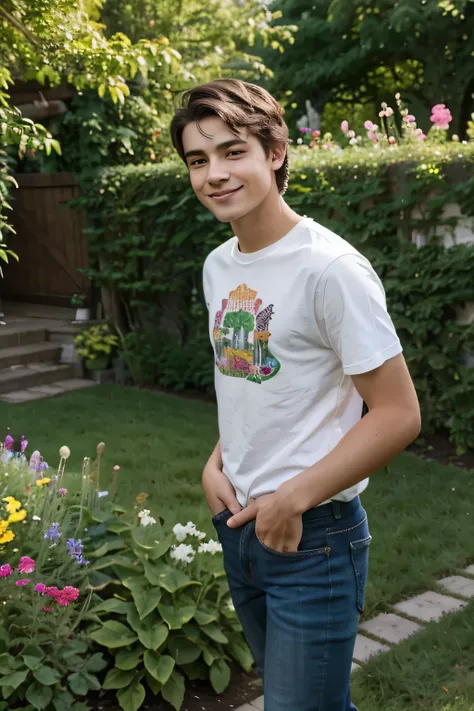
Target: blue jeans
<point>300,611</point>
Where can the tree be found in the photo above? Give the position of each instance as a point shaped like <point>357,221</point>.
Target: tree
<point>350,51</point>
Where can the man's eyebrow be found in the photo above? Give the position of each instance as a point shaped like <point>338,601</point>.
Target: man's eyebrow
<point>220,146</point>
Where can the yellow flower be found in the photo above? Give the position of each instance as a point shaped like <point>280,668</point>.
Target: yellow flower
<point>7,537</point>
<point>44,480</point>
<point>12,504</point>
<point>16,517</point>
<point>3,527</point>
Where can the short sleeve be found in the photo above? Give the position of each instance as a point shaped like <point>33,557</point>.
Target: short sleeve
<point>352,315</point>
<point>206,285</point>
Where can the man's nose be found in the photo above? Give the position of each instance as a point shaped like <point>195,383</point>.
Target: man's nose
<point>217,172</point>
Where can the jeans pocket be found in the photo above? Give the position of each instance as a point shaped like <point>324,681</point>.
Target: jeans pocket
<point>360,563</point>
<point>221,515</point>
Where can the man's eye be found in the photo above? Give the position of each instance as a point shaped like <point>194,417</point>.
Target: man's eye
<point>235,153</point>
<point>196,162</point>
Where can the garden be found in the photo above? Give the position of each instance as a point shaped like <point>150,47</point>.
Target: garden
<point>112,587</point>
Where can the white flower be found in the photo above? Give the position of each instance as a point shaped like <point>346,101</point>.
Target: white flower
<point>65,452</point>
<point>36,518</point>
<point>210,547</point>
<point>145,518</point>
<point>184,553</point>
<point>190,529</point>
<point>101,494</point>
<point>6,474</point>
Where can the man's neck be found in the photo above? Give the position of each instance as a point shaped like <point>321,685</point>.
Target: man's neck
<point>265,225</point>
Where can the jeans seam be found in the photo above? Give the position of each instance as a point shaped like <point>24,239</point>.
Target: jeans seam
<point>294,554</point>
<point>241,555</point>
<point>345,530</point>
<point>328,624</point>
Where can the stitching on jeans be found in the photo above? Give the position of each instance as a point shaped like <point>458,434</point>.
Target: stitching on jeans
<point>328,624</point>
<point>294,554</point>
<point>333,533</point>
<point>241,555</point>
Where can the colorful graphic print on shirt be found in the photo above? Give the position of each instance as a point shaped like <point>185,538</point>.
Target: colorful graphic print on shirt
<point>241,335</point>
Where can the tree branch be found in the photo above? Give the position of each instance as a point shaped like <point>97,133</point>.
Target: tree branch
<point>17,24</point>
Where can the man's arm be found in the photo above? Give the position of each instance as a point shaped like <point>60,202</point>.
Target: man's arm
<point>219,492</point>
<point>392,423</point>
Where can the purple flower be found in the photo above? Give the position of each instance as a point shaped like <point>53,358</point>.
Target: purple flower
<point>53,533</point>
<point>62,491</point>
<point>75,550</point>
<point>9,443</point>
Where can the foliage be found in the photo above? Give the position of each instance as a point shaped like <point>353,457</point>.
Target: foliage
<point>95,342</point>
<point>359,51</point>
<point>151,249</point>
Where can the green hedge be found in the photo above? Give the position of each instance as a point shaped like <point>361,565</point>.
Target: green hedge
<point>149,236</point>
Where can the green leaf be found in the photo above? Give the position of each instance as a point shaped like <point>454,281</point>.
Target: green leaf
<point>219,675</point>
<point>176,616</point>
<point>162,547</point>
<point>38,695</point>
<point>78,684</point>
<point>203,617</point>
<point>113,634</point>
<point>118,679</point>
<point>183,650</point>
<point>6,663</point>
<point>147,537</point>
<point>46,675</point>
<point>96,663</point>
<point>173,690</point>
<point>131,698</point>
<point>160,666</point>
<point>151,632</point>
<point>128,659</point>
<point>63,701</point>
<point>14,680</point>
<point>146,600</point>
<point>214,632</point>
<point>113,545</point>
<point>112,605</point>
<point>32,656</point>
<point>167,577</point>
<point>154,685</point>
<point>241,654</point>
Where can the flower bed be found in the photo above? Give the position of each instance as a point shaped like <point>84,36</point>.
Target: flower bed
<point>95,596</point>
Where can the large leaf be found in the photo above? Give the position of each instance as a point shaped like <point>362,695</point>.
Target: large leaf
<point>46,675</point>
<point>118,679</point>
<point>151,631</point>
<point>114,544</point>
<point>113,634</point>
<point>173,690</point>
<point>183,650</point>
<point>96,663</point>
<point>38,695</point>
<point>128,659</point>
<point>111,605</point>
<point>154,685</point>
<point>147,537</point>
<point>162,547</point>
<point>219,675</point>
<point>78,684</point>
<point>176,616</point>
<point>167,577</point>
<point>14,680</point>
<point>32,656</point>
<point>131,698</point>
<point>205,616</point>
<point>241,653</point>
<point>214,632</point>
<point>63,701</point>
<point>146,600</point>
<point>160,666</point>
<point>7,663</point>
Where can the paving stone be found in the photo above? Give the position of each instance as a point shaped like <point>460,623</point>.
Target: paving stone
<point>258,703</point>
<point>429,606</point>
<point>391,628</point>
<point>18,396</point>
<point>458,585</point>
<point>470,570</point>
<point>354,667</point>
<point>366,648</point>
<point>245,707</point>
<point>46,390</point>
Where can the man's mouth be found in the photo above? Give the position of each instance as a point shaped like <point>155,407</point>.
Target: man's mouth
<point>225,194</point>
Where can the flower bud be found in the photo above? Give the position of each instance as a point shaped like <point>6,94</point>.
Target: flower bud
<point>65,452</point>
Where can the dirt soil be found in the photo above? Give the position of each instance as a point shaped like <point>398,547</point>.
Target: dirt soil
<point>199,696</point>
<point>438,448</point>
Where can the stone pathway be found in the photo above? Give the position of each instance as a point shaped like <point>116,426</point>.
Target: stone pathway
<point>390,628</point>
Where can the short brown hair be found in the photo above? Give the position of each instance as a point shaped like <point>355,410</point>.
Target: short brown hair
<point>240,105</point>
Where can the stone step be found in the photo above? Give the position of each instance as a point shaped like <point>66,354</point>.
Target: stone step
<point>21,335</point>
<point>32,375</point>
<point>39,392</point>
<point>31,353</point>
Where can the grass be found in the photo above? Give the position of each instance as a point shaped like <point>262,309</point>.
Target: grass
<point>421,513</point>
<point>421,518</point>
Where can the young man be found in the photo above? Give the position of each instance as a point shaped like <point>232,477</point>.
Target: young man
<point>301,337</point>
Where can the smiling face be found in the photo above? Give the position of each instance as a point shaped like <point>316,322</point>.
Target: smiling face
<point>231,175</point>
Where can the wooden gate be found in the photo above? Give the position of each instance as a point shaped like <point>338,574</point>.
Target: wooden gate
<point>49,241</point>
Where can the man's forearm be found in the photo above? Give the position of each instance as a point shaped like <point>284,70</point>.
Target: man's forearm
<point>216,456</point>
<point>374,441</point>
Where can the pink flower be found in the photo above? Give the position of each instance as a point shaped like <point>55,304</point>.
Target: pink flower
<point>441,117</point>
<point>46,609</point>
<point>70,593</point>
<point>392,140</point>
<point>345,126</point>
<point>409,119</point>
<point>27,565</point>
<point>52,591</point>
<point>116,468</point>
<point>9,441</point>
<point>63,492</point>
<point>62,600</point>
<point>20,583</point>
<point>5,570</point>
<point>373,136</point>
<point>369,126</point>
<point>40,588</point>
<point>421,136</point>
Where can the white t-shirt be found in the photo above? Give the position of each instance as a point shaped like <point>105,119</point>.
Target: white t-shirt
<point>289,325</point>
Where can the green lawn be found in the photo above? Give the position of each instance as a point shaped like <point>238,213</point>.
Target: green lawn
<point>421,514</point>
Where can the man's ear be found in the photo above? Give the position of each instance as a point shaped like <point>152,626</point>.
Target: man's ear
<point>278,155</point>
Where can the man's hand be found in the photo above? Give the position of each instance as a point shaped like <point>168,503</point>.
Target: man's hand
<point>219,492</point>
<point>277,525</point>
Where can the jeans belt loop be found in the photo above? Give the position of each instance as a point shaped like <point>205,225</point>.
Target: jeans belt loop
<point>336,509</point>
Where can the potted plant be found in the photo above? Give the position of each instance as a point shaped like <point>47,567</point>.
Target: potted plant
<point>82,312</point>
<point>96,345</point>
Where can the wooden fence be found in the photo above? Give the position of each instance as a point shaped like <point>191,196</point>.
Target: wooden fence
<point>48,240</point>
